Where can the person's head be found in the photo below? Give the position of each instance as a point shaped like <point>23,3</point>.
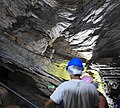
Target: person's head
<point>75,67</point>
<point>89,79</point>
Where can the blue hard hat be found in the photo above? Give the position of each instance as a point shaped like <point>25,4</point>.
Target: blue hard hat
<point>75,62</point>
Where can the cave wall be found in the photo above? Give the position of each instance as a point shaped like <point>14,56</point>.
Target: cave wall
<point>36,33</point>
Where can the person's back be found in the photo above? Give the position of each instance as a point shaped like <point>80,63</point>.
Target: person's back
<point>103,102</point>
<point>77,94</point>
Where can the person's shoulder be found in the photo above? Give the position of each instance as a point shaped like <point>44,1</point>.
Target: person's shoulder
<point>64,83</point>
<point>90,85</point>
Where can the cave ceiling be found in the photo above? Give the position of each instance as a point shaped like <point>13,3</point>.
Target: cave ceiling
<point>89,29</point>
<point>84,28</point>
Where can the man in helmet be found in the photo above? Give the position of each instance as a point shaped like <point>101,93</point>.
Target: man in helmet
<point>75,93</point>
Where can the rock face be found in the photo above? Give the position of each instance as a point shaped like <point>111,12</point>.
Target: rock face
<point>36,33</point>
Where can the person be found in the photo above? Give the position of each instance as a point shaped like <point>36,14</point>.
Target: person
<point>75,93</point>
<point>103,102</point>
<point>89,79</point>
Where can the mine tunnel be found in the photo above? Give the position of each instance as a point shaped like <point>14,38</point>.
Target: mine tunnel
<point>39,37</point>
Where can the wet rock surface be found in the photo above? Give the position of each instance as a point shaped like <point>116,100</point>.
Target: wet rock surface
<point>36,33</point>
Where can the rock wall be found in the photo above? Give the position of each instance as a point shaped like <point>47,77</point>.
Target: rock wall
<point>36,33</point>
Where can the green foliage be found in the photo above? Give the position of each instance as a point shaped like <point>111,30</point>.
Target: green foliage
<point>59,70</point>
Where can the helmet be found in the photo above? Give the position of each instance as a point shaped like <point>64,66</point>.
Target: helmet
<point>75,62</point>
<point>72,70</point>
<point>87,79</point>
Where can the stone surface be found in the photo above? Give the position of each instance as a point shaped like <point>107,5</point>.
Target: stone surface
<point>13,106</point>
<point>36,33</point>
<point>4,97</point>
